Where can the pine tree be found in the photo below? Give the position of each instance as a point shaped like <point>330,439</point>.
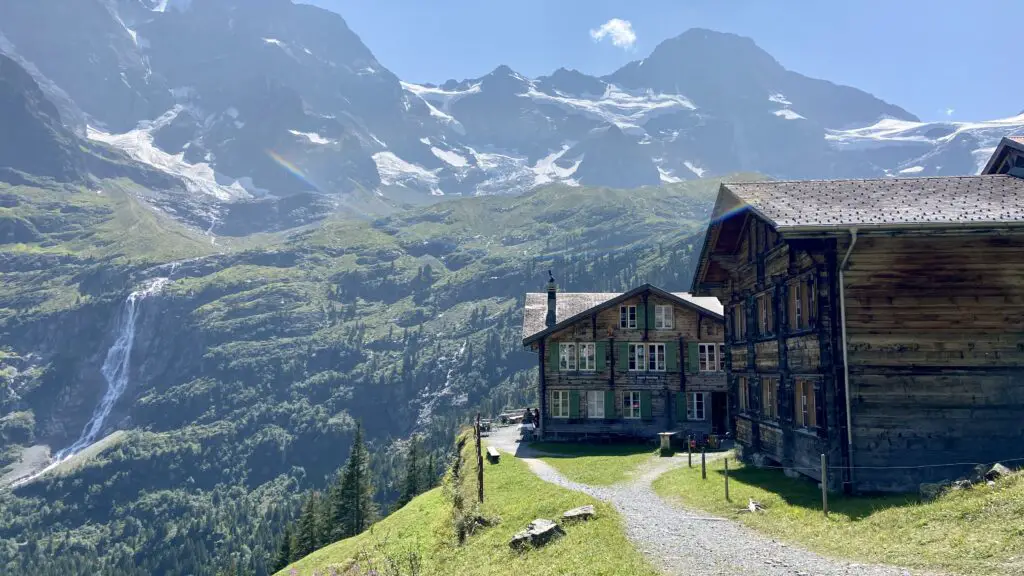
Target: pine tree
<point>430,473</point>
<point>284,552</point>
<point>306,538</point>
<point>356,493</point>
<point>413,475</point>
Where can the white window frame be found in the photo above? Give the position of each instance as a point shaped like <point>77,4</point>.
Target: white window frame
<point>691,407</point>
<point>637,357</point>
<point>663,317</point>
<point>708,356</point>
<point>587,363</point>
<point>721,357</point>
<point>630,398</point>
<point>568,356</point>
<point>655,357</point>
<point>559,404</point>
<point>627,317</point>
<point>595,404</point>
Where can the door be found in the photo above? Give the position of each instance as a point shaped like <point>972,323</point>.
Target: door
<point>719,412</point>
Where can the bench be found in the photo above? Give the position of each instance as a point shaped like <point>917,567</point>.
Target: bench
<point>493,455</point>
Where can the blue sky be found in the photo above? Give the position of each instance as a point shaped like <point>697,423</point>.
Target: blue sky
<point>938,59</point>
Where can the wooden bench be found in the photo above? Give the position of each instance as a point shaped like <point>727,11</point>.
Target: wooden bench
<point>493,455</point>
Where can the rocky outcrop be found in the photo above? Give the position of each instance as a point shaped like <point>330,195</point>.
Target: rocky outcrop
<point>537,533</point>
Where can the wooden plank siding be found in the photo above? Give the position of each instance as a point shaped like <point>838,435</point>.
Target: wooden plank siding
<point>936,355</point>
<point>689,327</point>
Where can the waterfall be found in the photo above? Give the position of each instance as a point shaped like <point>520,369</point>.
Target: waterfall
<point>115,371</point>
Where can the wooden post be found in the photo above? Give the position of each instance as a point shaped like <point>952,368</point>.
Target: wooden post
<point>824,484</point>
<point>726,479</point>
<point>689,451</point>
<point>479,463</point>
<point>703,466</point>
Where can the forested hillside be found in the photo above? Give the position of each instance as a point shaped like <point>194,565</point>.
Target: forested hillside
<point>252,365</point>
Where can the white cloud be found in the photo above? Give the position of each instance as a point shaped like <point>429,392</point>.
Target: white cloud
<point>620,31</point>
<point>949,111</point>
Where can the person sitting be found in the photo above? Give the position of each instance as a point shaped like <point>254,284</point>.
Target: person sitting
<point>527,417</point>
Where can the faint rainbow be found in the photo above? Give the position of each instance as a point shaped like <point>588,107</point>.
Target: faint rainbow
<point>292,168</point>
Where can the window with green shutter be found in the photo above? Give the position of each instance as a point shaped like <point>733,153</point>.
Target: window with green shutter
<point>609,404</point>
<point>645,405</point>
<point>671,357</point>
<point>692,358</point>
<point>649,316</point>
<point>622,357</point>
<point>574,404</point>
<point>680,407</point>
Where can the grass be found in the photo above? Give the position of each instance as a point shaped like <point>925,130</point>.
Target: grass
<point>516,496</point>
<point>976,531</point>
<point>595,464</point>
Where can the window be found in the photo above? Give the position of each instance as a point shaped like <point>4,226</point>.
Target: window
<point>805,414</point>
<point>801,303</point>
<point>656,357</point>
<point>595,404</point>
<point>765,317</point>
<point>627,316</point>
<point>637,357</point>
<point>663,317</point>
<point>709,357</point>
<point>739,322</point>
<point>695,406</point>
<point>588,357</point>
<point>567,356</point>
<point>770,398</point>
<point>744,393</point>
<point>721,357</point>
<point>559,403</point>
<point>631,405</point>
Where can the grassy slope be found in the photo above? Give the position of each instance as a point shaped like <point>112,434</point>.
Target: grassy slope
<point>516,496</point>
<point>972,532</point>
<point>598,465</point>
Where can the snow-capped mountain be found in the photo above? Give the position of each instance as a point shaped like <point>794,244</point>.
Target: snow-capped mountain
<point>257,100</point>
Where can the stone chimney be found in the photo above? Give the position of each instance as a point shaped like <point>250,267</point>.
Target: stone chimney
<point>552,318</point>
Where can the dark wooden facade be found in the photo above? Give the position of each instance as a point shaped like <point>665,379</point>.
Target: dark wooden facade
<point>609,397</point>
<point>934,329</point>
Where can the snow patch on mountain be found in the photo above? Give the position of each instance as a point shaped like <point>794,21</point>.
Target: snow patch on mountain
<point>449,157</point>
<point>695,169</point>
<point>779,99</point>
<point>198,178</point>
<point>627,110</point>
<point>395,171</point>
<point>546,170</point>
<point>667,177</point>
<point>912,170</point>
<point>445,98</point>
<point>274,41</point>
<point>788,114</point>
<point>312,137</point>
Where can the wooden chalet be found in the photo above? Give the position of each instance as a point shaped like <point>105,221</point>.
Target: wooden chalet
<point>627,364</point>
<point>880,322</point>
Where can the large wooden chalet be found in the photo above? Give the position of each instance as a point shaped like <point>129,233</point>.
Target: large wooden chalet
<point>880,322</point>
<point>627,365</point>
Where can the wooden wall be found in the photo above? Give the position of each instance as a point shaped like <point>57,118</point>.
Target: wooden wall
<point>688,326</point>
<point>936,352</point>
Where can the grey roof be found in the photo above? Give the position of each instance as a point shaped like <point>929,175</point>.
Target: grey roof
<point>886,202</point>
<point>568,305</point>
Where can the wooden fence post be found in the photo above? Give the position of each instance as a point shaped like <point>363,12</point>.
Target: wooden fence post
<point>689,451</point>
<point>824,484</point>
<point>703,465</point>
<point>479,463</point>
<point>726,479</point>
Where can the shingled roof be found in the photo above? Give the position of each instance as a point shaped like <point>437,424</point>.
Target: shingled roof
<point>885,203</point>
<point>571,305</point>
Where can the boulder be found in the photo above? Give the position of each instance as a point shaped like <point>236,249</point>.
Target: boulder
<point>961,484</point>
<point>979,473</point>
<point>581,513</point>
<point>537,533</point>
<point>997,471</point>
<point>932,491</point>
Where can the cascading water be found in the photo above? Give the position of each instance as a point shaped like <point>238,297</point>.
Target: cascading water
<point>115,371</point>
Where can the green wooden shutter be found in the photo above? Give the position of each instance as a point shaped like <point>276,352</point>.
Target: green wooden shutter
<point>622,361</point>
<point>574,404</point>
<point>671,357</point>
<point>609,404</point>
<point>693,357</point>
<point>601,354</point>
<point>553,357</point>
<point>645,405</point>
<point>650,316</point>
<point>681,407</point>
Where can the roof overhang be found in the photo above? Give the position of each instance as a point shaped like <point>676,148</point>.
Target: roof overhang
<point>1006,145</point>
<point>562,325</point>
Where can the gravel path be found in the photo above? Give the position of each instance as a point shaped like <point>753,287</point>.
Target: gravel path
<point>689,543</point>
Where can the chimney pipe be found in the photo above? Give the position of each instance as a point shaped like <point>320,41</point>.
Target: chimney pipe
<point>552,318</point>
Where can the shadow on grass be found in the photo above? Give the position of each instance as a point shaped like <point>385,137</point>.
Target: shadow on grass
<point>572,450</point>
<point>805,493</point>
